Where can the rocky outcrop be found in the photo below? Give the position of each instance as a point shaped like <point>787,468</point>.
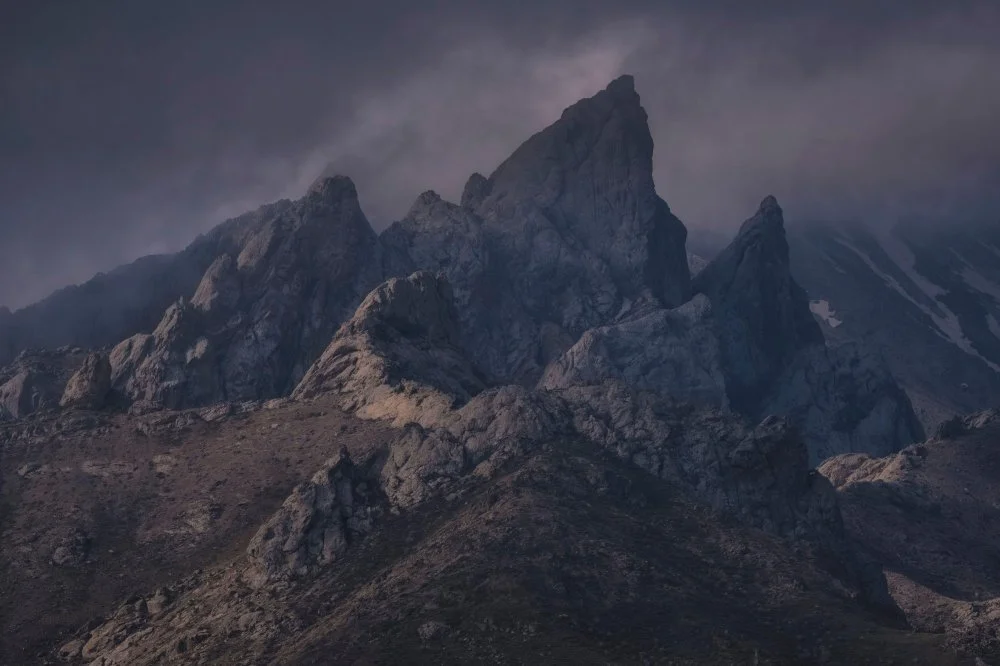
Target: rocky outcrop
<point>441,237</point>
<point>72,550</point>
<point>399,357</point>
<point>476,189</point>
<point>958,426</point>
<point>475,441</point>
<point>36,380</point>
<point>555,240</point>
<point>88,388</point>
<point>262,314</point>
<point>672,352</point>
<point>759,475</point>
<point>315,525</point>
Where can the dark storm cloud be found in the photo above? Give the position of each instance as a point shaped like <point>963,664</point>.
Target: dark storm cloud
<point>129,127</point>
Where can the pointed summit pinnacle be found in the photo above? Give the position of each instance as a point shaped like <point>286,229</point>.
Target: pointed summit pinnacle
<point>333,186</point>
<point>623,85</point>
<point>769,205</point>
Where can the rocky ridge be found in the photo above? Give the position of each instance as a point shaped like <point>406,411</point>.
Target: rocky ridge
<point>399,356</point>
<point>565,267</point>
<point>259,317</point>
<point>758,476</point>
<point>541,341</point>
<point>555,240</point>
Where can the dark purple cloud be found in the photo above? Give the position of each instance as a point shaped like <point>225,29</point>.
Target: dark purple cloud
<point>128,128</point>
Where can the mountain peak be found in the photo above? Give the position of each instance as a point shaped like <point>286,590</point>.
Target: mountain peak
<point>619,100</point>
<point>590,175</point>
<point>762,315</point>
<point>425,200</point>
<point>476,189</point>
<point>768,220</point>
<point>624,85</point>
<point>333,186</point>
<point>769,205</point>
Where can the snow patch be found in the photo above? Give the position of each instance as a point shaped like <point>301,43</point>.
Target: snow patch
<point>977,280</point>
<point>948,326</point>
<point>822,309</point>
<point>991,321</point>
<point>991,248</point>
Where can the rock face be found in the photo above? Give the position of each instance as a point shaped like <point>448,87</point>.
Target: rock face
<point>399,356</point>
<point>315,525</point>
<point>36,379</point>
<point>555,240</point>
<point>762,316</point>
<point>844,399</point>
<point>439,236</point>
<point>759,475</point>
<point>88,388</point>
<point>672,352</point>
<point>774,356</point>
<point>259,317</point>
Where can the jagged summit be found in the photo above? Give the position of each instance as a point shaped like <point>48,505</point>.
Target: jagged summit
<point>769,203</point>
<point>623,85</point>
<point>762,316</point>
<point>424,201</point>
<point>334,190</point>
<point>399,356</point>
<point>769,221</point>
<point>413,354</point>
<point>476,189</point>
<point>620,93</point>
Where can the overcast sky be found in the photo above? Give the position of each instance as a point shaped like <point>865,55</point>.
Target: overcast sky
<point>128,127</point>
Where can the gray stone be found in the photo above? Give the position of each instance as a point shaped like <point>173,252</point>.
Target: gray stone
<point>762,316</point>
<point>554,241</point>
<point>72,549</point>
<point>775,359</point>
<point>844,400</point>
<point>399,357</point>
<point>88,388</point>
<point>35,380</point>
<point>672,352</point>
<point>261,314</point>
<point>315,525</point>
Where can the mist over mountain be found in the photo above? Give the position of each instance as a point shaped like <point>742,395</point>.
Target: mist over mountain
<point>852,111</point>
